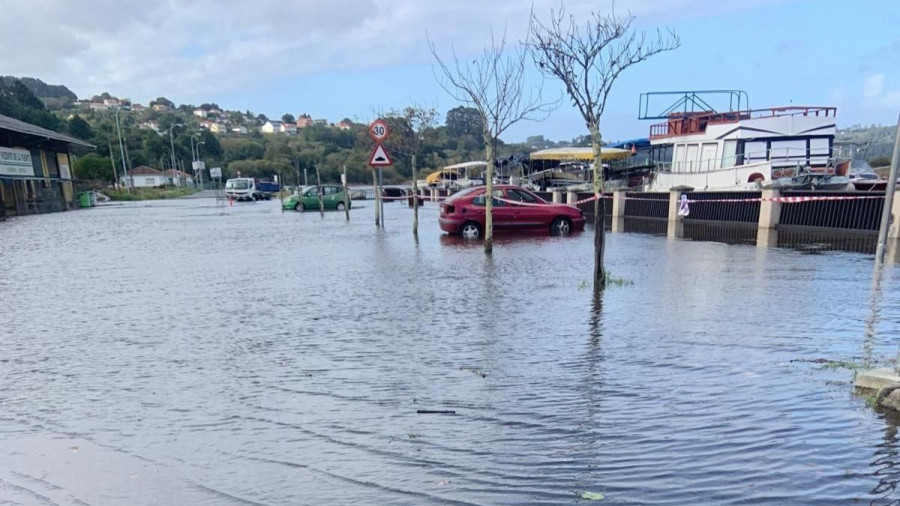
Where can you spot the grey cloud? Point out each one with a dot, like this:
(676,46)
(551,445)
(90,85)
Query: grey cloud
(189,49)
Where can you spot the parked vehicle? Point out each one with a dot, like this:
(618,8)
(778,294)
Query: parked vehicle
(308,198)
(241,188)
(267,189)
(393,192)
(463,213)
(867,181)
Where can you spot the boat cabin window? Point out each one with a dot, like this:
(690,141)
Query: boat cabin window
(661,153)
(729,153)
(692,158)
(756,151)
(819,151)
(709,156)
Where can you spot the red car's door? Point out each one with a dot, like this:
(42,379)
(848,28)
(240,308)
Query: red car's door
(532,213)
(502,212)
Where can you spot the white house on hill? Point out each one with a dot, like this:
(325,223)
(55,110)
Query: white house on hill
(143,177)
(271,127)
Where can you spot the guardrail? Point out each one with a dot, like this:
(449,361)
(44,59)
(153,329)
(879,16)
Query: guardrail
(742,210)
(851,213)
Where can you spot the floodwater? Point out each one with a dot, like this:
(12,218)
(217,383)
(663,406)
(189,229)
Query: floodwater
(184,352)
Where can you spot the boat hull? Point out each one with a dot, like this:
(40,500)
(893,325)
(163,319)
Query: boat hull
(740,177)
(870,186)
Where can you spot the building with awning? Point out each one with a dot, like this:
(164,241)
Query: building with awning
(35,169)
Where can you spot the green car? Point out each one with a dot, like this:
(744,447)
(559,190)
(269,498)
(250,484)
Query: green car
(308,198)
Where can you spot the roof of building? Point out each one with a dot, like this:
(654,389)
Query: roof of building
(143,170)
(7,123)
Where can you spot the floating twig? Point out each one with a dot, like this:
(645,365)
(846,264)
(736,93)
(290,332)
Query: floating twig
(473,371)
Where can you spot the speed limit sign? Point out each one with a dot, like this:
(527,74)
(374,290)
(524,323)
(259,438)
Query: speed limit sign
(378,131)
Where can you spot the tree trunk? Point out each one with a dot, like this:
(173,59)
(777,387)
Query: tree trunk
(377,198)
(488,193)
(415,197)
(346,195)
(599,210)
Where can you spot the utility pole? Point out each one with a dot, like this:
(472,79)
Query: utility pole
(172,142)
(113,160)
(122,151)
(200,180)
(888,200)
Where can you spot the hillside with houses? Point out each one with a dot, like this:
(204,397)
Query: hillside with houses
(164,136)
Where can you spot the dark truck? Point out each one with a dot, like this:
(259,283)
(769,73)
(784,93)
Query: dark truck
(265,190)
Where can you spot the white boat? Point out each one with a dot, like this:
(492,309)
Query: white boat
(458,176)
(741,149)
(568,167)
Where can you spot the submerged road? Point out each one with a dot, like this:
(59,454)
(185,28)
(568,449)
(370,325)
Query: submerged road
(189,352)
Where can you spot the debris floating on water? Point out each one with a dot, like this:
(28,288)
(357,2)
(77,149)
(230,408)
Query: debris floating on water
(472,370)
(435,412)
(593,496)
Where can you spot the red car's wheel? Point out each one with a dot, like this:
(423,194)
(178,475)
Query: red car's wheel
(470,230)
(561,226)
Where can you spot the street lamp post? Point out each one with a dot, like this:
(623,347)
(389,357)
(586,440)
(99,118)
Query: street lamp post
(122,151)
(200,180)
(172,142)
(194,155)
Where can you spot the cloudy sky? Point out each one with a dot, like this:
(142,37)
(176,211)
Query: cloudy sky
(351,58)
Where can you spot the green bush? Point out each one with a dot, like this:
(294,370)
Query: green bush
(149,193)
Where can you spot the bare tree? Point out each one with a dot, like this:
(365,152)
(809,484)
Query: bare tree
(494,84)
(588,58)
(411,127)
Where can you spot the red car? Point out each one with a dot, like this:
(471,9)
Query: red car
(463,212)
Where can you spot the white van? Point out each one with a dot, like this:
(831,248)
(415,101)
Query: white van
(241,188)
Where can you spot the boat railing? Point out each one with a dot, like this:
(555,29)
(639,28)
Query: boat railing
(780,157)
(695,123)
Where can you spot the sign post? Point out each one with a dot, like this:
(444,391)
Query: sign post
(379,132)
(215,174)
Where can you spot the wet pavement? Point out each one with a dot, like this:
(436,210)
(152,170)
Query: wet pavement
(188,352)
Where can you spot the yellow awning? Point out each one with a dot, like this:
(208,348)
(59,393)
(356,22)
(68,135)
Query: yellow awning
(579,154)
(436,176)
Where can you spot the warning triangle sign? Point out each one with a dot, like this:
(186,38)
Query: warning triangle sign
(380,157)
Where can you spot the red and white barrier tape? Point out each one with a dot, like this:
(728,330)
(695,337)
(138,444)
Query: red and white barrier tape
(784,200)
(794,200)
(551,204)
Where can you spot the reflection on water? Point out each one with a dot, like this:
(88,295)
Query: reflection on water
(811,241)
(188,353)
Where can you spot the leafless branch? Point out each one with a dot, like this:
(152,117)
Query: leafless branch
(494,83)
(412,127)
(588,57)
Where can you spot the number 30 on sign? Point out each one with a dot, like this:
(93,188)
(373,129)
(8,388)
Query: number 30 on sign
(378,130)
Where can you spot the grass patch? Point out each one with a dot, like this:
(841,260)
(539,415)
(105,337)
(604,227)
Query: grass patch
(617,281)
(871,399)
(833,365)
(842,364)
(610,281)
(149,193)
